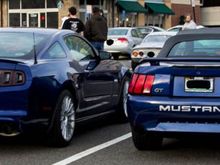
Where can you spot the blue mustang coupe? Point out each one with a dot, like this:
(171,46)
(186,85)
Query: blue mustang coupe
(56,78)
(178,92)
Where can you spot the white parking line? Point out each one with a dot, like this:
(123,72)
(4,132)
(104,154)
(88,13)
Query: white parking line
(93,150)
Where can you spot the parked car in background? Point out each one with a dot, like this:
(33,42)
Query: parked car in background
(56,79)
(150,46)
(178,28)
(177,93)
(124,39)
(145,30)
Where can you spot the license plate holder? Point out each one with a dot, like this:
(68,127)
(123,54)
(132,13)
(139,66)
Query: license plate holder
(199,84)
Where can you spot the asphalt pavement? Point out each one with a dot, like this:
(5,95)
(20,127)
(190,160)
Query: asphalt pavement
(32,150)
(106,142)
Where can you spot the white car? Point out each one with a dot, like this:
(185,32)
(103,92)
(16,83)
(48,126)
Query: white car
(124,39)
(179,28)
(150,46)
(145,30)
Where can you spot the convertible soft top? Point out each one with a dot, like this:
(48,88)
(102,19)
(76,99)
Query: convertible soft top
(189,35)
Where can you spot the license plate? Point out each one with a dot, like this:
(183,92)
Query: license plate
(199,84)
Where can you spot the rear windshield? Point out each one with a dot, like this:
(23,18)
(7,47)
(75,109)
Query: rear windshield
(156,38)
(196,48)
(118,32)
(19,44)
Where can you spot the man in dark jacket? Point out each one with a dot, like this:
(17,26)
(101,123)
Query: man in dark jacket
(73,23)
(96,29)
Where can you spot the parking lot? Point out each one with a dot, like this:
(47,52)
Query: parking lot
(106,142)
(30,149)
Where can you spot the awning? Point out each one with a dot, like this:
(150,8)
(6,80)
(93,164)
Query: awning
(132,6)
(159,8)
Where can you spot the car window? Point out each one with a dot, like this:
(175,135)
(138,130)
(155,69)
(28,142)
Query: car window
(145,30)
(55,51)
(21,45)
(140,35)
(197,48)
(175,29)
(156,38)
(117,32)
(79,49)
(134,33)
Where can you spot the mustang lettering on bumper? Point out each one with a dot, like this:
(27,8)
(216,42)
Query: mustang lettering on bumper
(173,108)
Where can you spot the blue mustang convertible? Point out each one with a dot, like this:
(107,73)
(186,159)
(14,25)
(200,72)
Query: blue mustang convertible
(178,92)
(56,78)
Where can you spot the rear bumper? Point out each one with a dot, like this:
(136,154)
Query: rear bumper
(124,49)
(174,115)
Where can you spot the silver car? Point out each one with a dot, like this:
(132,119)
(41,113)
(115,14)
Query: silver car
(150,46)
(145,30)
(124,39)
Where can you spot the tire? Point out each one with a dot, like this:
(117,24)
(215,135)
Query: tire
(115,56)
(146,141)
(122,114)
(63,123)
(133,65)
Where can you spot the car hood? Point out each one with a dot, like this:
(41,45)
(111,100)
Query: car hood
(149,45)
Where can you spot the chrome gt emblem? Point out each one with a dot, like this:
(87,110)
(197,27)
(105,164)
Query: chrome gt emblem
(158,90)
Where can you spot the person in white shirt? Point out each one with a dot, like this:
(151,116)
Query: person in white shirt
(189,23)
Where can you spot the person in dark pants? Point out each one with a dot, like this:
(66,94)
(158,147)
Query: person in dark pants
(96,29)
(73,23)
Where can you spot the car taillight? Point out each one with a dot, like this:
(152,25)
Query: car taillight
(123,39)
(141,84)
(11,78)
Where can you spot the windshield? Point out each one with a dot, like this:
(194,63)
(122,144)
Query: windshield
(118,32)
(145,30)
(156,38)
(19,44)
(196,48)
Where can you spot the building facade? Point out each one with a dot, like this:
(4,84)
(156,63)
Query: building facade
(183,7)
(49,13)
(210,13)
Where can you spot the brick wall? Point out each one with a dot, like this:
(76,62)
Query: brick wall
(182,10)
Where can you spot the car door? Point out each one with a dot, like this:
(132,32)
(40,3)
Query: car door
(95,82)
(136,37)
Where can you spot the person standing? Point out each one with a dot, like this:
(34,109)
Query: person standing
(73,23)
(189,23)
(96,29)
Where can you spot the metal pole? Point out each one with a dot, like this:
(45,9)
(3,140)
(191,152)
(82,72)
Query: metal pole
(193,3)
(194,14)
(113,13)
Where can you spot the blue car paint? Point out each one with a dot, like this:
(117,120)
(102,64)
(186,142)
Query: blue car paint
(143,110)
(34,101)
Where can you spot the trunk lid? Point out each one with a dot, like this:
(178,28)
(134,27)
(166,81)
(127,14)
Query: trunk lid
(184,79)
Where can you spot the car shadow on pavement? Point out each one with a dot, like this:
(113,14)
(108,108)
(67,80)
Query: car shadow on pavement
(205,142)
(37,137)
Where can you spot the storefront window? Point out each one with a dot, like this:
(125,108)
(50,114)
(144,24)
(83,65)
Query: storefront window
(82,2)
(51,4)
(24,20)
(14,4)
(42,20)
(33,13)
(33,4)
(52,21)
(14,19)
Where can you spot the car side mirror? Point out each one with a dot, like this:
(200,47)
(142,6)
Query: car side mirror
(104,55)
(109,42)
